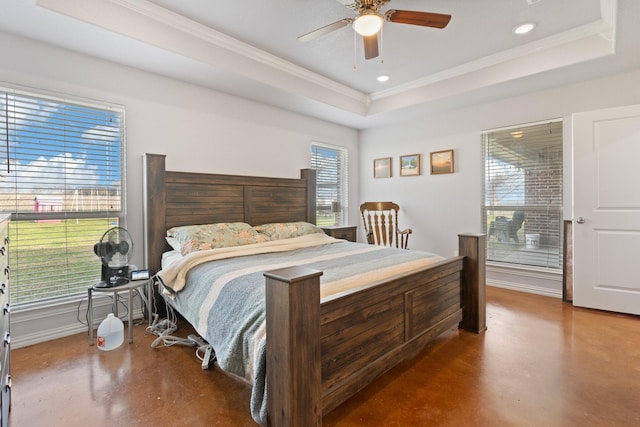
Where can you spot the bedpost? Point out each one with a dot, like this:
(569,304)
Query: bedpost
(310,176)
(473,248)
(154,203)
(294,379)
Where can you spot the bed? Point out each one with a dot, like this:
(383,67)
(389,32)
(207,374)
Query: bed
(320,350)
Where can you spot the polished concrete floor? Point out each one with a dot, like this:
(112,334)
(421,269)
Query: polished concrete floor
(542,362)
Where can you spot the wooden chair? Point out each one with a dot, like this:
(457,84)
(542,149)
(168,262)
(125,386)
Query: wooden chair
(381,225)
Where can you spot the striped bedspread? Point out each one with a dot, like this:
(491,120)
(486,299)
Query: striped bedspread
(221,292)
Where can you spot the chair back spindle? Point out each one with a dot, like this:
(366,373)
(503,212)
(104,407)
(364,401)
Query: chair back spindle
(381,224)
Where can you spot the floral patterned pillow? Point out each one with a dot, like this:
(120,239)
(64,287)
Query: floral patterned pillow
(211,236)
(287,230)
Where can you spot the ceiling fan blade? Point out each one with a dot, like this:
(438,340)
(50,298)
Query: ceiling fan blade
(325,30)
(370,46)
(425,19)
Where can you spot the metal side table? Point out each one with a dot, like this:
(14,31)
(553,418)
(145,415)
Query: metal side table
(130,287)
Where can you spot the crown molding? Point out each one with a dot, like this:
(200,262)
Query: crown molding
(156,26)
(152,24)
(216,38)
(600,28)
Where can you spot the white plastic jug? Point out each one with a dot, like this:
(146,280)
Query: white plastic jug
(110,333)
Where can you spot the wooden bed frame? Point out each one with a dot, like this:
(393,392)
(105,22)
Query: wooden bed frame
(319,353)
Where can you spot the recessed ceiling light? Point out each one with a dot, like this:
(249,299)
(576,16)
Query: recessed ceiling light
(524,28)
(383,78)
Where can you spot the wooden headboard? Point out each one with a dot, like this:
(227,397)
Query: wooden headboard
(183,198)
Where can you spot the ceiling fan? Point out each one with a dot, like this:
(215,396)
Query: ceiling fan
(369,20)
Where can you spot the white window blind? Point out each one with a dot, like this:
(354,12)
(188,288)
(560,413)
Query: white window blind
(62,178)
(522,186)
(331,165)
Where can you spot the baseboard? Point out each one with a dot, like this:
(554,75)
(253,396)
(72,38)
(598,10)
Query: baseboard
(38,337)
(34,325)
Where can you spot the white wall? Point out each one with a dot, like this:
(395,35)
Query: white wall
(437,207)
(198,129)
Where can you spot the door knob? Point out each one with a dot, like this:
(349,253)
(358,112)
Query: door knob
(580,220)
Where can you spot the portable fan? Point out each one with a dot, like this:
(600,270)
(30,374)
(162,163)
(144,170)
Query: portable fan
(115,249)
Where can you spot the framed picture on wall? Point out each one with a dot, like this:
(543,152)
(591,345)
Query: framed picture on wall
(410,165)
(441,162)
(382,168)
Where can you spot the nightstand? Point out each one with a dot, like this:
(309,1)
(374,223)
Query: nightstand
(346,232)
(129,288)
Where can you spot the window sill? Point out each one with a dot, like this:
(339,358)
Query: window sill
(524,267)
(523,278)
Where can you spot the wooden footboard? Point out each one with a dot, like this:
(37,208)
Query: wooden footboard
(325,352)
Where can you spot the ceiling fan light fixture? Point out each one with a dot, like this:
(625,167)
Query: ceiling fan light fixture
(368,23)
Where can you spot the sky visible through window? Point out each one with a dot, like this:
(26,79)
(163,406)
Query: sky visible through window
(49,147)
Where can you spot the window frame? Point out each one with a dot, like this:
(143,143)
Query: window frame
(539,241)
(111,214)
(334,214)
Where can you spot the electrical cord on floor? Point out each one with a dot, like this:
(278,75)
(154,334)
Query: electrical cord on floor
(163,328)
(207,357)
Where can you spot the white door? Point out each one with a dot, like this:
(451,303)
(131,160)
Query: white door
(606,150)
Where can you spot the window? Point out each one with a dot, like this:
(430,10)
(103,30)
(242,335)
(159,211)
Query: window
(330,164)
(522,210)
(62,179)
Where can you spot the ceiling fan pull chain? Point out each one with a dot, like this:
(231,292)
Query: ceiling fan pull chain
(355,48)
(382,45)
